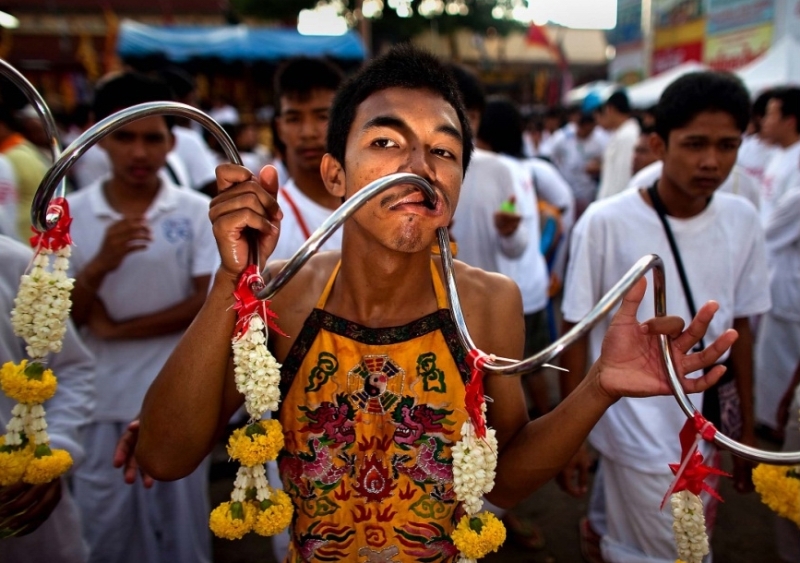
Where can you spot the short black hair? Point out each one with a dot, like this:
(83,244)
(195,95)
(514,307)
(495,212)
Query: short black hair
(586,118)
(298,77)
(760,104)
(403,66)
(181,82)
(619,101)
(470,87)
(502,126)
(121,91)
(696,92)
(789,97)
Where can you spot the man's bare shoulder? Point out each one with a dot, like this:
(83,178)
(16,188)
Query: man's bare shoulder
(492,307)
(295,301)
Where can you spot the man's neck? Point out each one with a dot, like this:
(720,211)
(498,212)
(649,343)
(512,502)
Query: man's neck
(678,204)
(617,121)
(130,199)
(381,288)
(790,140)
(312,186)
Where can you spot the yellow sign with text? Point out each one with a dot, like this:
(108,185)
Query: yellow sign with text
(733,50)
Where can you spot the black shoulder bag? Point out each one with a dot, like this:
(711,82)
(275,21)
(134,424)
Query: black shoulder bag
(721,404)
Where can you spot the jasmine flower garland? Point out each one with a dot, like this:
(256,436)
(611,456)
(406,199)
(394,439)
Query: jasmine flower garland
(254,505)
(474,465)
(41,310)
(689,526)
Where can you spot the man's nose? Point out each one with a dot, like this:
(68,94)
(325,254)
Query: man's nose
(419,164)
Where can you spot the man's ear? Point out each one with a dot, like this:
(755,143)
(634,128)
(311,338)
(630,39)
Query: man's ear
(657,145)
(333,175)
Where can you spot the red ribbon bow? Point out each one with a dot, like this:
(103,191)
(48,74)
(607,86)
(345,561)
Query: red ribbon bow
(247,304)
(691,472)
(474,397)
(58,236)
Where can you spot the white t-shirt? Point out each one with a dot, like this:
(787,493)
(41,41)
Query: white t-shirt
(754,154)
(198,159)
(146,282)
(783,256)
(618,159)
(781,175)
(529,271)
(723,254)
(304,213)
(9,197)
(489,182)
(571,155)
(739,182)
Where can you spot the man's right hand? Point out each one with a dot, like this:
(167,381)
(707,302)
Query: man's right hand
(127,235)
(506,223)
(574,477)
(245,209)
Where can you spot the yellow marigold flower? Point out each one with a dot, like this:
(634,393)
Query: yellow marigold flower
(273,515)
(232,520)
(27,384)
(47,465)
(779,488)
(475,536)
(13,464)
(257,443)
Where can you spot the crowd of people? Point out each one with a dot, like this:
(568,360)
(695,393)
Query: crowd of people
(546,216)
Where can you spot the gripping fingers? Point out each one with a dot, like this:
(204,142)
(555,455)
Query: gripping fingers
(709,355)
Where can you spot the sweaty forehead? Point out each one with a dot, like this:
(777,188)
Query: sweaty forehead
(409,105)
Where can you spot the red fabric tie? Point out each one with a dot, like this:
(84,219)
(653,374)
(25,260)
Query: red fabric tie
(474,397)
(247,304)
(691,472)
(58,236)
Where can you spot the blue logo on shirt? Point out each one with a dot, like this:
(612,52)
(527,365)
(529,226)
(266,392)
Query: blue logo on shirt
(177,229)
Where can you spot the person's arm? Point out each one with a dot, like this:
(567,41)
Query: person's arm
(742,364)
(194,395)
(128,235)
(630,365)
(167,321)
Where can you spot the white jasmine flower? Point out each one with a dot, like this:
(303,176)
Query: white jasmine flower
(256,372)
(689,526)
(474,464)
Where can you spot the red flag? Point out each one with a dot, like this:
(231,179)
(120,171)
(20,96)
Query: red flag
(537,36)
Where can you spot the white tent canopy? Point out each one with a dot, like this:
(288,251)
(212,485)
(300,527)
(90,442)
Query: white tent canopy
(780,66)
(647,92)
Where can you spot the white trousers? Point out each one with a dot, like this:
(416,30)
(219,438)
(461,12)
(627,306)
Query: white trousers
(57,540)
(123,523)
(777,353)
(637,531)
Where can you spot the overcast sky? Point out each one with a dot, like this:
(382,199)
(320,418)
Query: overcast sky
(595,14)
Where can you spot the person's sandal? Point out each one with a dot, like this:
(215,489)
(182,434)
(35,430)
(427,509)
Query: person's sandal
(590,542)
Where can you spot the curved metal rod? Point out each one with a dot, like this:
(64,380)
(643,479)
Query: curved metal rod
(102,128)
(603,308)
(348,208)
(41,107)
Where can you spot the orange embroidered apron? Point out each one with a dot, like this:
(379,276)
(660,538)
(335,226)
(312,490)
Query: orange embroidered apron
(370,415)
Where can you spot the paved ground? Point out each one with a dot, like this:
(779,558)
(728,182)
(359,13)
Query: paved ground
(744,531)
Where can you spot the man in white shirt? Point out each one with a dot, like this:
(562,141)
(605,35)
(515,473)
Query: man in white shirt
(8,199)
(578,154)
(700,119)
(615,116)
(777,350)
(143,258)
(485,225)
(756,151)
(781,126)
(52,506)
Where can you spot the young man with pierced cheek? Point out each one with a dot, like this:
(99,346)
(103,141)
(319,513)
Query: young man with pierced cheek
(379,308)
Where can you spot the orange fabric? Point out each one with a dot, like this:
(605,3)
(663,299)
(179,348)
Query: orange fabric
(370,418)
(11,141)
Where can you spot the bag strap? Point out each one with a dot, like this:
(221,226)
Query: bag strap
(652,191)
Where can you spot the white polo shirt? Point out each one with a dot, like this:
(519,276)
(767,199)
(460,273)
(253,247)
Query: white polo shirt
(146,282)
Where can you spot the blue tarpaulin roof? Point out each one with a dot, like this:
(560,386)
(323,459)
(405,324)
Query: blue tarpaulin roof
(232,43)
